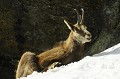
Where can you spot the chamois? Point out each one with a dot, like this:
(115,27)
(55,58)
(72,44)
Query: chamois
(70,50)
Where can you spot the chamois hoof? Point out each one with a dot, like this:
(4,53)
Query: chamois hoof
(55,64)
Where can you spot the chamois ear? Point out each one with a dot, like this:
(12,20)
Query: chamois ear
(70,26)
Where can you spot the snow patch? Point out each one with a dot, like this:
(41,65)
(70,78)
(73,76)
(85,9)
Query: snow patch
(105,65)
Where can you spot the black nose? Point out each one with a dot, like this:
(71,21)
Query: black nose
(89,35)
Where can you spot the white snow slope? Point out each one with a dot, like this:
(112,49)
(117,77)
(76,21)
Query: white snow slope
(105,65)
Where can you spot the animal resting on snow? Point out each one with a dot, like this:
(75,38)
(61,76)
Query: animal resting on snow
(70,50)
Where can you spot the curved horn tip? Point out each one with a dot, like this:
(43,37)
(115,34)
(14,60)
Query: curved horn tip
(82,9)
(75,9)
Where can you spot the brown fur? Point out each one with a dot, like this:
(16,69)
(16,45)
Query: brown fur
(27,64)
(68,51)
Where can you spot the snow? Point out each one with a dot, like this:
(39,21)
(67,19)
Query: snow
(105,65)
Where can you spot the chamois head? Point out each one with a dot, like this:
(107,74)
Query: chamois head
(79,30)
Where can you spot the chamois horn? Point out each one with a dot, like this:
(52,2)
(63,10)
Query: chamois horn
(80,18)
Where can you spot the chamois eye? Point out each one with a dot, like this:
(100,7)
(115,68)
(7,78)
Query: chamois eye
(78,30)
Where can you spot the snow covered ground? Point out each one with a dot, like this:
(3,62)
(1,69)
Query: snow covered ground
(105,65)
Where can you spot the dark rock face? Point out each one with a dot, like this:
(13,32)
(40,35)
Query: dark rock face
(110,33)
(35,25)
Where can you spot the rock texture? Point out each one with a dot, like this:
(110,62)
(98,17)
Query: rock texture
(35,25)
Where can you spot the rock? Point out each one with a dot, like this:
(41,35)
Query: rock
(110,32)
